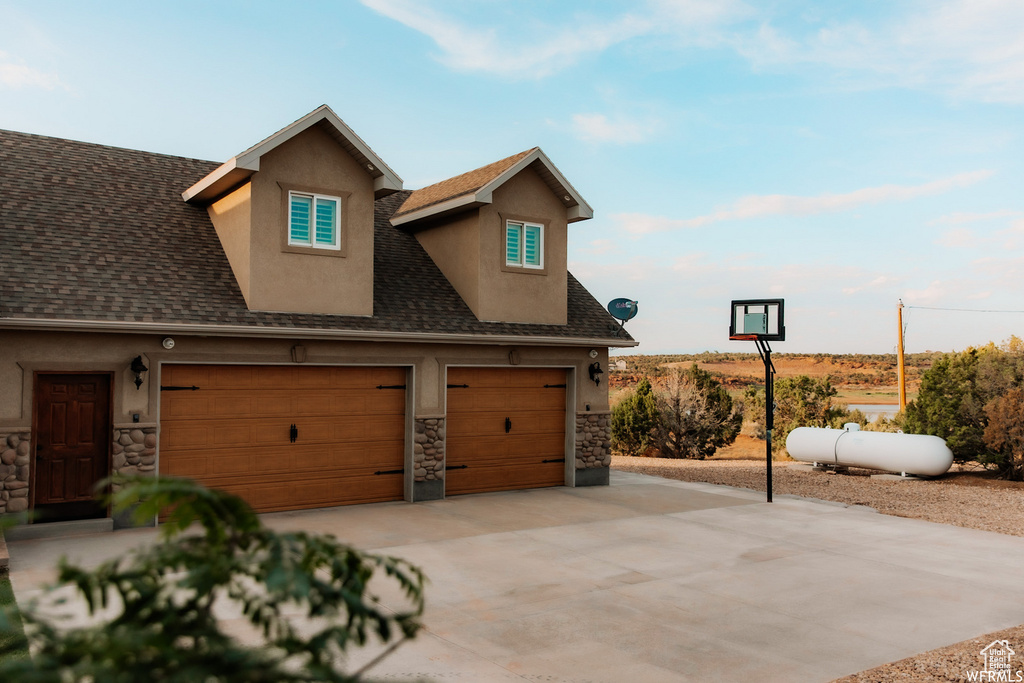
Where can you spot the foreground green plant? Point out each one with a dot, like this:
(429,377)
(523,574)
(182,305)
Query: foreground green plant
(305,596)
(12,634)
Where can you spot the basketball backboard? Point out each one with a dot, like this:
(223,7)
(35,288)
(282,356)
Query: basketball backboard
(754,319)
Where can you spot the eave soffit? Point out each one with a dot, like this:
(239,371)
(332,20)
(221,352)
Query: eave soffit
(237,170)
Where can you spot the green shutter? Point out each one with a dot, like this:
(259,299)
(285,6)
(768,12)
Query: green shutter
(326,221)
(531,245)
(513,244)
(299,217)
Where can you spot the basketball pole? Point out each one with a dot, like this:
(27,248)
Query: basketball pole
(900,364)
(765,352)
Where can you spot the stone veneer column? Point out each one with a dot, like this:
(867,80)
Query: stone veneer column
(14,453)
(134,450)
(593,448)
(428,458)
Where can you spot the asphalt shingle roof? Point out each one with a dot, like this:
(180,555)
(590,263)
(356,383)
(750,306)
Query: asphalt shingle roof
(458,186)
(95,233)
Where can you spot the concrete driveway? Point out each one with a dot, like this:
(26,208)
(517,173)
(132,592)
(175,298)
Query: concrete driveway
(654,580)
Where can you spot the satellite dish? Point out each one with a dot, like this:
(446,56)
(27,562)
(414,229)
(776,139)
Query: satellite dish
(623,309)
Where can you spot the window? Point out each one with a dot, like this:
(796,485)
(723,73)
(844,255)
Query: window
(313,221)
(524,244)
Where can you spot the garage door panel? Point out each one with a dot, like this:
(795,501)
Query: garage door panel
(505,478)
(485,457)
(306,494)
(233,432)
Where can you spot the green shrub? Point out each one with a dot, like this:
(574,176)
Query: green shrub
(166,629)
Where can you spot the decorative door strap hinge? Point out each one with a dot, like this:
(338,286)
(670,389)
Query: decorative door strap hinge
(390,472)
(192,388)
(391,386)
(456,467)
(458,386)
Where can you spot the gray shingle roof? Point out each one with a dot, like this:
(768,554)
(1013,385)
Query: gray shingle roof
(95,233)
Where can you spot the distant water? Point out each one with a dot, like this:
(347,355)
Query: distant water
(874,410)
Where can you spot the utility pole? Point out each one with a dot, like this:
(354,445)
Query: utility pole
(901,368)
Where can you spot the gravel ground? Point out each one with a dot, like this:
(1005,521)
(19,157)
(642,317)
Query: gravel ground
(963,498)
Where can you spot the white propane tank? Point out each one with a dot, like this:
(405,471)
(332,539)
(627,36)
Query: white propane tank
(919,454)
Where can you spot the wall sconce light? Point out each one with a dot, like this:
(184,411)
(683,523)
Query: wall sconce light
(595,373)
(139,368)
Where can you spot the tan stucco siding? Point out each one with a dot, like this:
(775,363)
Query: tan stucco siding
(455,249)
(29,352)
(231,218)
(522,294)
(314,280)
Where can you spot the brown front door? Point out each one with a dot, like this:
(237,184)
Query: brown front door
(73,434)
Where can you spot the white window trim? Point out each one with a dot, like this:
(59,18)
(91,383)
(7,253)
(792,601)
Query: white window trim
(312,244)
(522,245)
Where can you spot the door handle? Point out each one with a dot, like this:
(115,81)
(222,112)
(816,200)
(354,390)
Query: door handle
(508,425)
(293,433)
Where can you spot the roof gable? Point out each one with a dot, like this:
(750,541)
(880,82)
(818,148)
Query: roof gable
(237,170)
(477,187)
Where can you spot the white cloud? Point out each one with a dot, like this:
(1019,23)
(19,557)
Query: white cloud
(16,75)
(536,53)
(755,206)
(875,283)
(959,238)
(963,217)
(966,48)
(598,128)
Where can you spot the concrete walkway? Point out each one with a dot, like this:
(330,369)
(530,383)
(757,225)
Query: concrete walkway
(654,580)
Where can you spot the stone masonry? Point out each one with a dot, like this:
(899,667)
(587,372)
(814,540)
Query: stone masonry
(14,452)
(593,440)
(428,449)
(134,450)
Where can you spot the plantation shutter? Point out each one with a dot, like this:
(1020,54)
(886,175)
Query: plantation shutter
(513,244)
(326,221)
(531,245)
(299,219)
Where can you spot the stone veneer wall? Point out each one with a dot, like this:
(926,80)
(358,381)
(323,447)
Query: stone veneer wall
(593,440)
(428,449)
(14,453)
(134,450)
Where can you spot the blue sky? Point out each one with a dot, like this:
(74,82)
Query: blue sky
(840,155)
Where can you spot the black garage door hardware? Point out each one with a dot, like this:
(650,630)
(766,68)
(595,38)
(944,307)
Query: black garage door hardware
(458,386)
(391,386)
(554,460)
(192,388)
(554,386)
(456,467)
(390,472)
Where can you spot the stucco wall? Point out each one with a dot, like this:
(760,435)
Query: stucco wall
(455,247)
(135,412)
(28,352)
(523,294)
(311,280)
(230,217)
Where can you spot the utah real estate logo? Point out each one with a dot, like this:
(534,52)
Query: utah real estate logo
(998,657)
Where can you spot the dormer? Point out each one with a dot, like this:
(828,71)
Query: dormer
(500,236)
(295,216)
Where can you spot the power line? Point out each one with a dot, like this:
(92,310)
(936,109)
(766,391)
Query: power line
(964,310)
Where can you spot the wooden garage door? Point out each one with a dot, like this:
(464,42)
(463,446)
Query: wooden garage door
(234,432)
(505,429)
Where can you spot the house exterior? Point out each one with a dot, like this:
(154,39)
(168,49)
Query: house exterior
(292,325)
